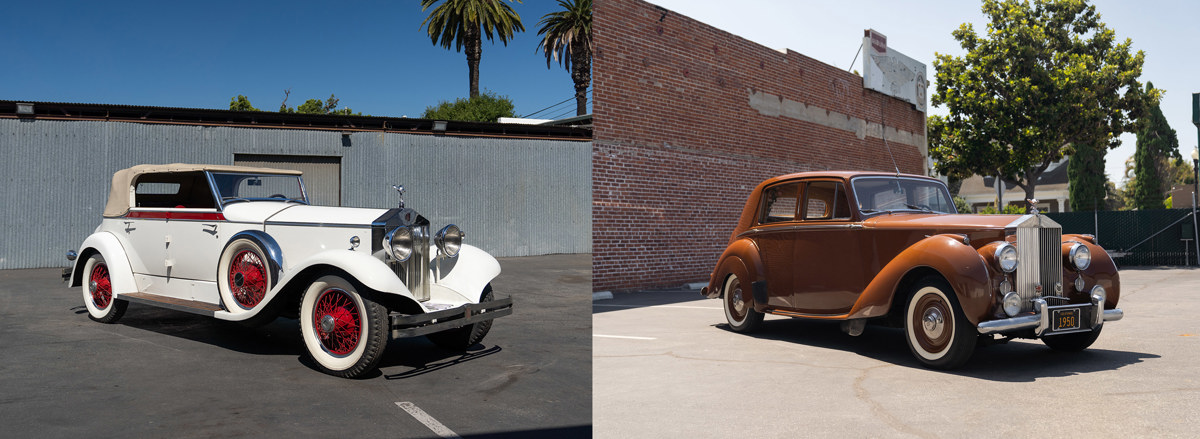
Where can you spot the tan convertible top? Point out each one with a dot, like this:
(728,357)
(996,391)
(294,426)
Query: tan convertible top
(118,195)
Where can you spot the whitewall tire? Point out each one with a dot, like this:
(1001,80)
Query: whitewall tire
(344,330)
(937,332)
(98,296)
(739,306)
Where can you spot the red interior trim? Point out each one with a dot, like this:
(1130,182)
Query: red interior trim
(203,216)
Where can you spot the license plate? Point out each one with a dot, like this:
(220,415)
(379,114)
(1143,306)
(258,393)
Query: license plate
(1064,319)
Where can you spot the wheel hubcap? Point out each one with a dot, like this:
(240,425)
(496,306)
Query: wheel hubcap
(327,323)
(934,322)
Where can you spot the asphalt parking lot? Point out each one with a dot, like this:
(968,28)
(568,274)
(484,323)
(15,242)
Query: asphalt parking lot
(162,373)
(666,366)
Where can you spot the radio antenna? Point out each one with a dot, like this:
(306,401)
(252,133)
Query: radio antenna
(883,135)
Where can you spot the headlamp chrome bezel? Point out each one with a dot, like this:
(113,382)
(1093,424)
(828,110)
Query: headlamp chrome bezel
(1003,249)
(1079,251)
(449,240)
(399,243)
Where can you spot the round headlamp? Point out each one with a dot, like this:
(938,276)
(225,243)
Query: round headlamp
(399,243)
(449,240)
(1012,303)
(1006,257)
(1080,256)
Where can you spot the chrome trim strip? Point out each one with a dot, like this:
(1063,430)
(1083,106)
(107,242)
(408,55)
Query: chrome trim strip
(801,227)
(304,224)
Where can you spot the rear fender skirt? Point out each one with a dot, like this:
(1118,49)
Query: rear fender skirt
(119,271)
(960,264)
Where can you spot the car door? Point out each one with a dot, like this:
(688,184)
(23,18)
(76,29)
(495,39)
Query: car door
(773,235)
(827,255)
(145,226)
(197,231)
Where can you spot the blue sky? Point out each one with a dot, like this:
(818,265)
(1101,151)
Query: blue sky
(372,54)
(831,32)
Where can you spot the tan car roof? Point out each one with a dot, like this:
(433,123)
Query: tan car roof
(118,194)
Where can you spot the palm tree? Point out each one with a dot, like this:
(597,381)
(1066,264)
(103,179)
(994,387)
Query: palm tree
(567,38)
(465,22)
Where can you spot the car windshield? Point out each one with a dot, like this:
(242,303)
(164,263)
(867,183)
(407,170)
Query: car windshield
(247,187)
(889,194)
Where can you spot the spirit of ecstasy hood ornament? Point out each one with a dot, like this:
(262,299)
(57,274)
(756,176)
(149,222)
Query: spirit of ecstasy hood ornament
(1032,205)
(400,188)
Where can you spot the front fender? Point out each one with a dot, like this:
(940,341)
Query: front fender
(960,264)
(366,269)
(1102,271)
(120,273)
(467,274)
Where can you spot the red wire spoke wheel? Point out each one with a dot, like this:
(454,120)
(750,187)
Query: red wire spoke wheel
(247,278)
(98,298)
(336,321)
(344,329)
(100,285)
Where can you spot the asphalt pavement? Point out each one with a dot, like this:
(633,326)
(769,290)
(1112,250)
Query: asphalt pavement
(163,373)
(667,366)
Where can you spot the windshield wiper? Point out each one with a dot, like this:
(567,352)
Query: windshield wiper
(919,207)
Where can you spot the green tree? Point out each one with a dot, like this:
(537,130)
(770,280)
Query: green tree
(486,107)
(464,23)
(1156,143)
(567,38)
(1086,180)
(1046,79)
(241,103)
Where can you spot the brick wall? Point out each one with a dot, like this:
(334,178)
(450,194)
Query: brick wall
(689,118)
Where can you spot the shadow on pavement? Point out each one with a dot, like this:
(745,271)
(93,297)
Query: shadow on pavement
(1016,361)
(648,298)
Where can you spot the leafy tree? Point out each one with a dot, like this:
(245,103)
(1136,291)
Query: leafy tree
(241,103)
(1045,80)
(962,205)
(486,107)
(1156,143)
(465,23)
(567,38)
(1087,182)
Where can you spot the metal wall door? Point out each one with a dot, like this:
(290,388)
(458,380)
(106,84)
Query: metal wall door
(322,174)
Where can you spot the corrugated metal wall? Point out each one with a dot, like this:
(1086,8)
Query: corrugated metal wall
(513,197)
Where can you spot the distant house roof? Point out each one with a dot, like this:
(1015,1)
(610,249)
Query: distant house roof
(1054,176)
(274,120)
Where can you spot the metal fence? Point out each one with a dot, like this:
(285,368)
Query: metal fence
(513,196)
(1146,237)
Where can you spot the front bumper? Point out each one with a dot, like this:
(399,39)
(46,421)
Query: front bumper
(412,325)
(1039,321)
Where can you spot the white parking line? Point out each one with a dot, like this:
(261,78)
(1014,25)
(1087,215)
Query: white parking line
(624,336)
(658,306)
(433,424)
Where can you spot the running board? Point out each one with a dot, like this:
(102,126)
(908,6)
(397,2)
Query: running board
(189,306)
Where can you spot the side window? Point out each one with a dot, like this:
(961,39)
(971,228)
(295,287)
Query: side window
(779,203)
(182,189)
(826,200)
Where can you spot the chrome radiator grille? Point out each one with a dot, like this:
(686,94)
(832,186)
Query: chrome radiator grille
(416,267)
(1039,250)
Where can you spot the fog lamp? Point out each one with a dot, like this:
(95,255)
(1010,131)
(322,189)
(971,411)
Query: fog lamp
(1099,295)
(1012,303)
(1079,283)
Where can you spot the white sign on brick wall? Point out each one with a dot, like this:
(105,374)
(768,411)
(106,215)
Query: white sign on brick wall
(892,73)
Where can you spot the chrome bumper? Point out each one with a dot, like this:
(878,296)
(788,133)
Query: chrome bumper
(404,325)
(1039,322)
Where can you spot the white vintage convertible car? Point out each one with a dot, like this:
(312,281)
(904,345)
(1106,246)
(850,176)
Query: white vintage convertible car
(243,244)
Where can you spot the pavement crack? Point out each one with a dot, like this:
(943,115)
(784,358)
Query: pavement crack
(880,412)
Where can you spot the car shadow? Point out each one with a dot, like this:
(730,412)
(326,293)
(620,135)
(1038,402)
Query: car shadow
(1016,361)
(282,337)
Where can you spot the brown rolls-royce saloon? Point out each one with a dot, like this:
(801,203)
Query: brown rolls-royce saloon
(857,247)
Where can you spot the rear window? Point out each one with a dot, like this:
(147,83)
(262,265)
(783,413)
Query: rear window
(779,203)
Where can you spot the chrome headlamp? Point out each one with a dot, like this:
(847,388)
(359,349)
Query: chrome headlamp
(449,240)
(399,243)
(1080,256)
(1006,257)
